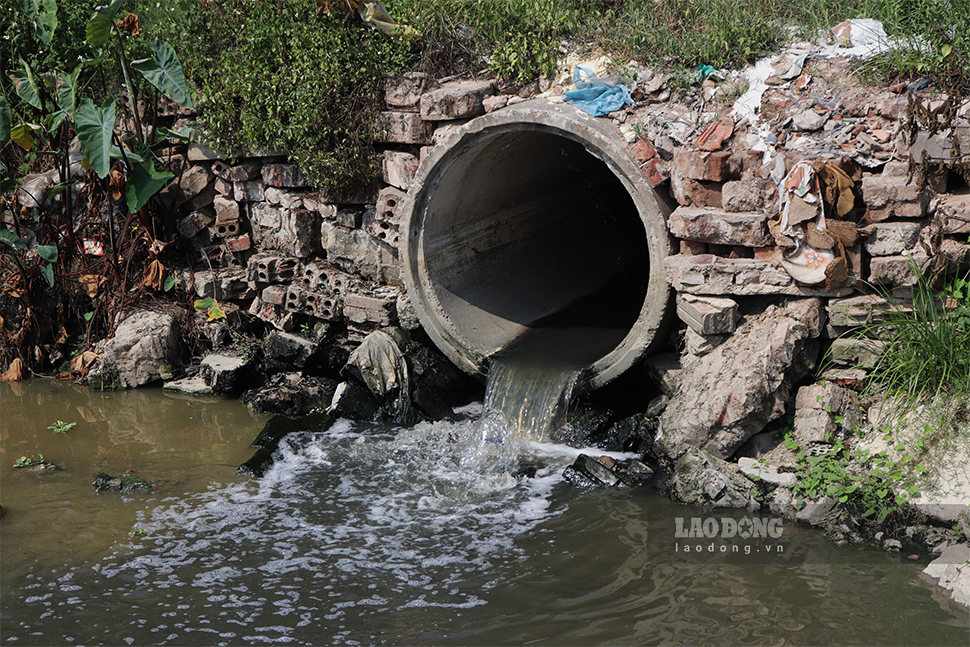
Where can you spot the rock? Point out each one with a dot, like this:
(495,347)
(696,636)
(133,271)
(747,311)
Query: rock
(283,175)
(357,252)
(379,364)
(893,197)
(855,352)
(815,511)
(740,196)
(702,479)
(224,373)
(810,312)
(122,483)
(951,572)
(709,274)
(407,316)
(665,370)
(719,227)
(587,471)
(898,271)
(193,385)
(891,238)
(354,401)
(403,128)
(808,120)
(707,315)
(710,167)
(194,223)
(493,103)
(144,349)
(398,169)
(761,472)
(730,394)
(699,345)
(242,172)
(275,429)
(459,100)
(404,92)
(286,352)
(291,394)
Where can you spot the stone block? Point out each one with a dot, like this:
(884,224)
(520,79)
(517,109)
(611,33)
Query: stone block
(202,153)
(361,309)
(710,167)
(350,217)
(403,128)
(404,92)
(224,187)
(711,226)
(707,315)
(398,169)
(956,209)
(275,294)
(357,252)
(764,473)
(893,197)
(740,197)
(459,100)
(898,271)
(251,191)
(692,247)
(193,223)
(699,345)
(226,283)
(299,233)
(856,352)
(814,511)
(955,251)
(496,102)
(711,275)
(266,215)
(223,373)
(810,312)
(226,210)
(821,397)
(285,198)
(194,181)
(857,311)
(689,192)
(891,238)
(814,426)
(239,243)
(283,175)
(286,352)
(204,198)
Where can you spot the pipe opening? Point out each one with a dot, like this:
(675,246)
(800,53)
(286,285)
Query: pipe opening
(523,230)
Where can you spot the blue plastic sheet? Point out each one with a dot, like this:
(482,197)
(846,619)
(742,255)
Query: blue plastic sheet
(596,96)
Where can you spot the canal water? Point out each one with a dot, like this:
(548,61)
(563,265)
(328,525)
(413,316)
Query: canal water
(451,533)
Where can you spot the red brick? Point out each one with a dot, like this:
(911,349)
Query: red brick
(710,167)
(643,150)
(692,247)
(239,243)
(655,171)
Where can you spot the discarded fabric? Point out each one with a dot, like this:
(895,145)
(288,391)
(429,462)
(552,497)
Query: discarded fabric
(595,96)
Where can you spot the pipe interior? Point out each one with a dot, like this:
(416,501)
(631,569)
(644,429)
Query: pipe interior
(526,231)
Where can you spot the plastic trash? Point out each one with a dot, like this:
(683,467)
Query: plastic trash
(596,96)
(373,13)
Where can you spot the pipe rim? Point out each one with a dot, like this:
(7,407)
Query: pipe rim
(600,140)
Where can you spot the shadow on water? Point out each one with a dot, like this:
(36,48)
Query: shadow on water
(366,534)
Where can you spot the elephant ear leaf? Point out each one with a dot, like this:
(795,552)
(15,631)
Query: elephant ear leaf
(45,23)
(5,119)
(26,85)
(94,128)
(164,71)
(66,93)
(98,30)
(144,181)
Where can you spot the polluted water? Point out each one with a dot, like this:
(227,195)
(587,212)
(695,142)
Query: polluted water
(454,532)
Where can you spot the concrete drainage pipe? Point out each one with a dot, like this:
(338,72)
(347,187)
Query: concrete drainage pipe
(536,218)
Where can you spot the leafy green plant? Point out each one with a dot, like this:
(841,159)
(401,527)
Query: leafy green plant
(873,486)
(136,532)
(25,461)
(61,427)
(211,308)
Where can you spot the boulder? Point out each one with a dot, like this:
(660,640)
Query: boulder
(730,394)
(144,349)
(951,572)
(291,394)
(703,479)
(122,483)
(283,351)
(224,373)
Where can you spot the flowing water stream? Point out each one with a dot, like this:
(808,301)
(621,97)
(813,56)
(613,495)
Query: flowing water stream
(367,534)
